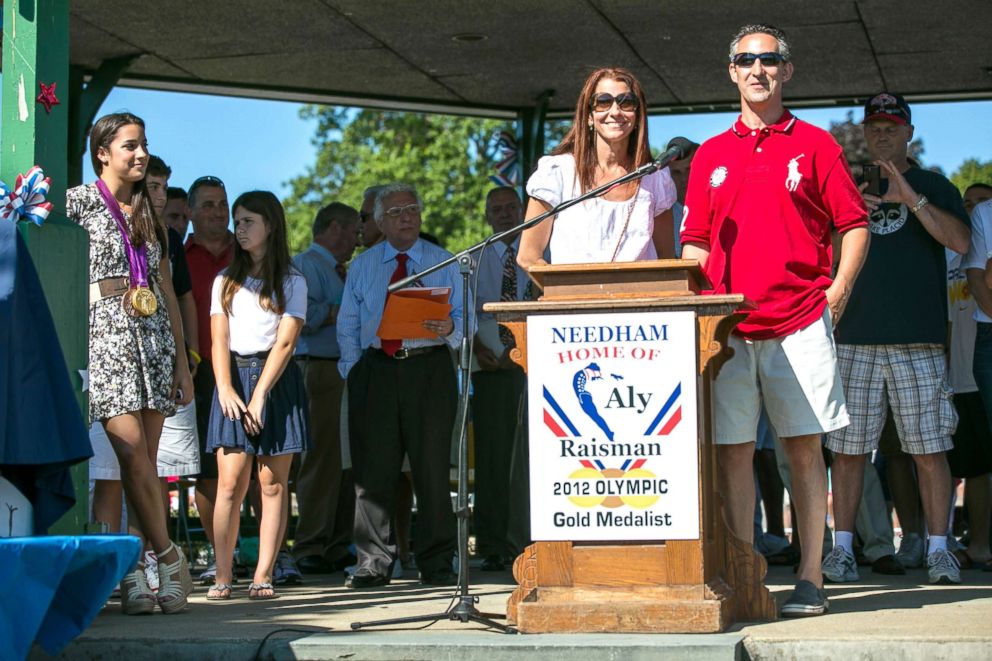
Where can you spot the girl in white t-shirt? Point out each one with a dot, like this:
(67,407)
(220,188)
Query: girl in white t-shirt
(259,409)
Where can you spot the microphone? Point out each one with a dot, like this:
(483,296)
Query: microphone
(677,148)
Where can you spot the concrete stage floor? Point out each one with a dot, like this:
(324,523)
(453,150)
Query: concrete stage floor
(881,617)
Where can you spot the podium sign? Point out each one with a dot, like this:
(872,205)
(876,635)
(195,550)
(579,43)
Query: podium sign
(613,420)
(628,531)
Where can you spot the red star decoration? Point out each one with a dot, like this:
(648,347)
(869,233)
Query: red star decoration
(47,97)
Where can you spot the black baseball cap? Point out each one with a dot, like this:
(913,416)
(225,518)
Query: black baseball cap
(891,107)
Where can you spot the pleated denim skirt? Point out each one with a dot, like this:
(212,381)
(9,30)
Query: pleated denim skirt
(286,427)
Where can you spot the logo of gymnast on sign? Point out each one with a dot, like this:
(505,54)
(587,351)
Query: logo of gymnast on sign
(630,481)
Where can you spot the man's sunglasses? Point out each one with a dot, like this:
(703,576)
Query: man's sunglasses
(603,102)
(747,60)
(886,109)
(206,181)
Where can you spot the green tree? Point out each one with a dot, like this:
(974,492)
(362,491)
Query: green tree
(972,171)
(447,158)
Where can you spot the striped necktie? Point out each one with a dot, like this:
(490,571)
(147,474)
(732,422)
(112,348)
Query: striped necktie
(508,292)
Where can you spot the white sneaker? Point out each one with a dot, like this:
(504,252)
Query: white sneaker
(910,554)
(840,566)
(943,568)
(151,570)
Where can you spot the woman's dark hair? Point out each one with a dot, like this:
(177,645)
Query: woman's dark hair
(580,142)
(145,227)
(275,266)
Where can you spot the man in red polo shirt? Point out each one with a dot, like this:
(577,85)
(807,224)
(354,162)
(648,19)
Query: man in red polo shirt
(208,250)
(763,200)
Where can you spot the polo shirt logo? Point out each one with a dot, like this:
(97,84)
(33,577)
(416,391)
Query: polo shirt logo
(795,176)
(718,176)
(888,218)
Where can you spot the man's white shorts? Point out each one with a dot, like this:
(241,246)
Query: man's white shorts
(796,378)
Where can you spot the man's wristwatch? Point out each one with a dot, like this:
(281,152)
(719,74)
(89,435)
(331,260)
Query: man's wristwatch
(920,203)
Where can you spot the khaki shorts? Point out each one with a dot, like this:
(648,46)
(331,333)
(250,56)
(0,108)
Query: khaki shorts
(909,378)
(795,377)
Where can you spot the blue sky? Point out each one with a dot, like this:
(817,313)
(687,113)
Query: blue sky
(262,144)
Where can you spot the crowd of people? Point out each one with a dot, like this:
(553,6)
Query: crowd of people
(223,358)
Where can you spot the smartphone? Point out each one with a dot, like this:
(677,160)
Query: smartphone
(873,176)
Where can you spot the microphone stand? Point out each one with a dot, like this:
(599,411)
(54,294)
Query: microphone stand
(463,608)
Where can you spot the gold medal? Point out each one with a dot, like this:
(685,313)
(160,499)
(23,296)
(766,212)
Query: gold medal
(142,300)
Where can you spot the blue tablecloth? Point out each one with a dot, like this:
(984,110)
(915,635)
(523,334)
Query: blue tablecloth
(53,587)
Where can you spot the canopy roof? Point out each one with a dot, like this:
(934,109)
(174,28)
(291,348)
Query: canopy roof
(495,57)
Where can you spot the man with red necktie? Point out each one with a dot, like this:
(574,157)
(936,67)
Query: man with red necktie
(401,397)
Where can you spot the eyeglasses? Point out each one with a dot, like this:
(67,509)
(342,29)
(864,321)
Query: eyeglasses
(746,60)
(603,102)
(396,212)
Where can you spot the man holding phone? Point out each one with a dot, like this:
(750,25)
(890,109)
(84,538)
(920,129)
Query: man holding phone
(892,337)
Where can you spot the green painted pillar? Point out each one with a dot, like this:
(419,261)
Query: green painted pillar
(36,50)
(530,134)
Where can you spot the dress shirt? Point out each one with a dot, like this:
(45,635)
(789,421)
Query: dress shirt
(490,288)
(365,295)
(324,289)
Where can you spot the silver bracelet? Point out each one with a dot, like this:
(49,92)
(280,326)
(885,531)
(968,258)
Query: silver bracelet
(922,202)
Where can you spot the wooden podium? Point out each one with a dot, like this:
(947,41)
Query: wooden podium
(689,586)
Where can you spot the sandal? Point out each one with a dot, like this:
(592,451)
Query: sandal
(175,583)
(255,588)
(219,592)
(136,597)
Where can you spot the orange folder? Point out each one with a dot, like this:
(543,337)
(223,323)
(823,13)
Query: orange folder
(407,309)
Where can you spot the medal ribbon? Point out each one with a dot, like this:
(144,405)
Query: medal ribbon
(137,258)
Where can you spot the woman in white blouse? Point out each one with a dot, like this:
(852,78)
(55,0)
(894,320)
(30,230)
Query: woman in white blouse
(608,139)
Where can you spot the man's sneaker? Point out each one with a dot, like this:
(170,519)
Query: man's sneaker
(806,600)
(285,572)
(151,570)
(839,566)
(943,568)
(209,575)
(911,553)
(888,564)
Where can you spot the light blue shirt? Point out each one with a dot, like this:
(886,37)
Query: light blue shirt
(491,276)
(365,295)
(324,288)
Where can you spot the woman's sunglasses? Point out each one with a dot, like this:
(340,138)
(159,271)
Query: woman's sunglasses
(746,60)
(603,102)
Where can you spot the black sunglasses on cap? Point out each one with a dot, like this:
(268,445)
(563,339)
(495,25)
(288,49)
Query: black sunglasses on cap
(206,181)
(603,102)
(747,60)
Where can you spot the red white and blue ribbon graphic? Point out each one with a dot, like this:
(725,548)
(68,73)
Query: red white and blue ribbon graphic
(507,172)
(555,418)
(28,200)
(671,413)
